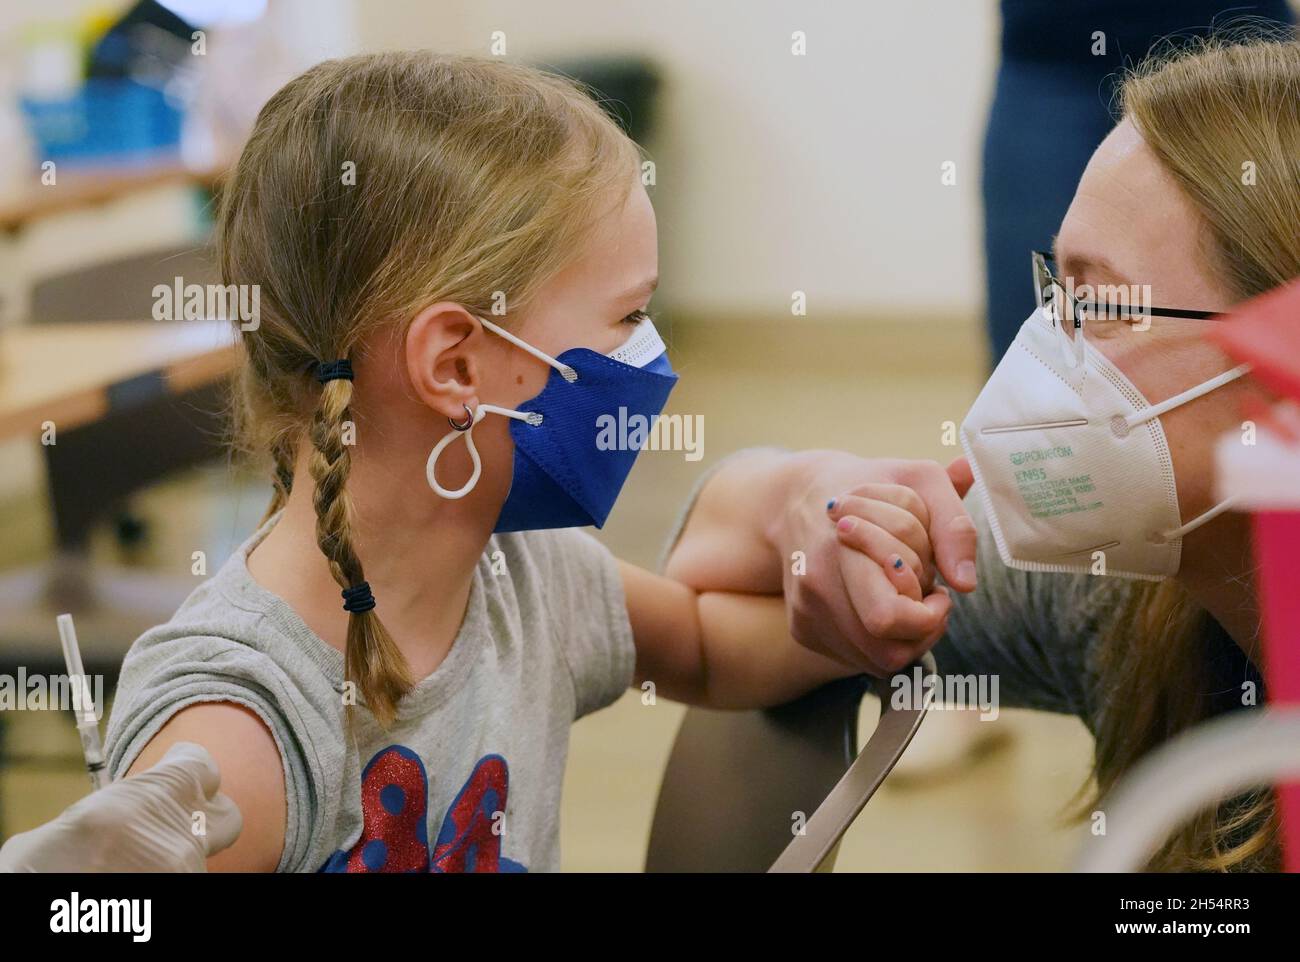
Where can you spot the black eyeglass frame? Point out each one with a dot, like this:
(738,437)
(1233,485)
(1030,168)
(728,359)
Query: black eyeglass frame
(1039,260)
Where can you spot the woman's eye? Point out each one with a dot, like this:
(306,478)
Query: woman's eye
(636,317)
(1110,320)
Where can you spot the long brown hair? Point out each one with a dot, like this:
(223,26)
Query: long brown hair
(1207,111)
(374,186)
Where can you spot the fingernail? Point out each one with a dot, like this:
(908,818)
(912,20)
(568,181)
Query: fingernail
(895,562)
(966,572)
(844,524)
(830,505)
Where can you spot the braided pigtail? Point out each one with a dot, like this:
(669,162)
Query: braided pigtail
(372,660)
(282,463)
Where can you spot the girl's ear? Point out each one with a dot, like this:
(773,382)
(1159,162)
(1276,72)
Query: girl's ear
(442,348)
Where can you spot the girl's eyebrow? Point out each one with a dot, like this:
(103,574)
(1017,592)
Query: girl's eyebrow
(640,291)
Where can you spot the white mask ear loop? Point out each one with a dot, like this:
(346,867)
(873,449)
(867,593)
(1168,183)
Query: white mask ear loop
(1191,394)
(1199,520)
(1122,426)
(466,428)
(566,372)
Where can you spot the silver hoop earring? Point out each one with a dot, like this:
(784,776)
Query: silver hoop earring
(469,420)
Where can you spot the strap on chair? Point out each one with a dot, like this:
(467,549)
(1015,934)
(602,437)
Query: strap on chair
(816,847)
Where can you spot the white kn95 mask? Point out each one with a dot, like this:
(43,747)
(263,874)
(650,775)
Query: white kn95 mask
(1072,462)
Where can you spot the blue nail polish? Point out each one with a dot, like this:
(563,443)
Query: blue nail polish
(898,564)
(830,505)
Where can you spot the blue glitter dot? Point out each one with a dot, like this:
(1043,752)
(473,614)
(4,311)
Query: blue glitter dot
(393,799)
(374,855)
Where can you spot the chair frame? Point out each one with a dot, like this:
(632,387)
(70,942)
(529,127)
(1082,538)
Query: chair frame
(738,783)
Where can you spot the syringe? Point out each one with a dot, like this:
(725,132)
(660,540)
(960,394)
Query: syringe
(83,705)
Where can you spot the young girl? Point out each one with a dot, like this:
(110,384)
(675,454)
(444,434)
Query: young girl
(455,259)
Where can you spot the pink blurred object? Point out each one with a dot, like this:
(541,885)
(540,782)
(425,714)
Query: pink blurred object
(1266,332)
(1264,477)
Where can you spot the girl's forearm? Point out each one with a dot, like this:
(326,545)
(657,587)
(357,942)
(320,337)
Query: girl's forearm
(717,648)
(730,538)
(750,660)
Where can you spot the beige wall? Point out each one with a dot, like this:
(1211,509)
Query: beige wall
(776,173)
(779,173)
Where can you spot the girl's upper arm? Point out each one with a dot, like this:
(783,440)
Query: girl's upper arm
(252,775)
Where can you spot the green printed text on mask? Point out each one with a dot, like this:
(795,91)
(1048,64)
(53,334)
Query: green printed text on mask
(1046,496)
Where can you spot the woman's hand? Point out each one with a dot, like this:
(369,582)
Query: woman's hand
(861,540)
(762,526)
(757,602)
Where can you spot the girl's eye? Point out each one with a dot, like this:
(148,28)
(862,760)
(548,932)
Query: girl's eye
(636,317)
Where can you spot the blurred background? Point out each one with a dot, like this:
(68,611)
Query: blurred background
(832,182)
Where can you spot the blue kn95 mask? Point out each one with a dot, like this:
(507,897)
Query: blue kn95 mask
(575,443)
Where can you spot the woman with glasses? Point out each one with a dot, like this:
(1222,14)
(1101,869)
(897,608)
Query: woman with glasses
(1112,582)
(1058,64)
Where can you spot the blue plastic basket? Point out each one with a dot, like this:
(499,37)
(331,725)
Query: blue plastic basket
(107,121)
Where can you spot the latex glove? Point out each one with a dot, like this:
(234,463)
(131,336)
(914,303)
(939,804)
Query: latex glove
(145,823)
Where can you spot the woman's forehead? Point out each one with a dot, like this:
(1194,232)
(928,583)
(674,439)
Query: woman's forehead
(1128,212)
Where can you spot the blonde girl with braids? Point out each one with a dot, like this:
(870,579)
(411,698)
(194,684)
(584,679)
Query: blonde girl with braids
(431,453)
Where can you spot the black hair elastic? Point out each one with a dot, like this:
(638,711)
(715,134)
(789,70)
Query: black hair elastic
(358,598)
(334,371)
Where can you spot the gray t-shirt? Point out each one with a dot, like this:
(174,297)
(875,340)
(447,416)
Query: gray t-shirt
(1037,631)
(469,776)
